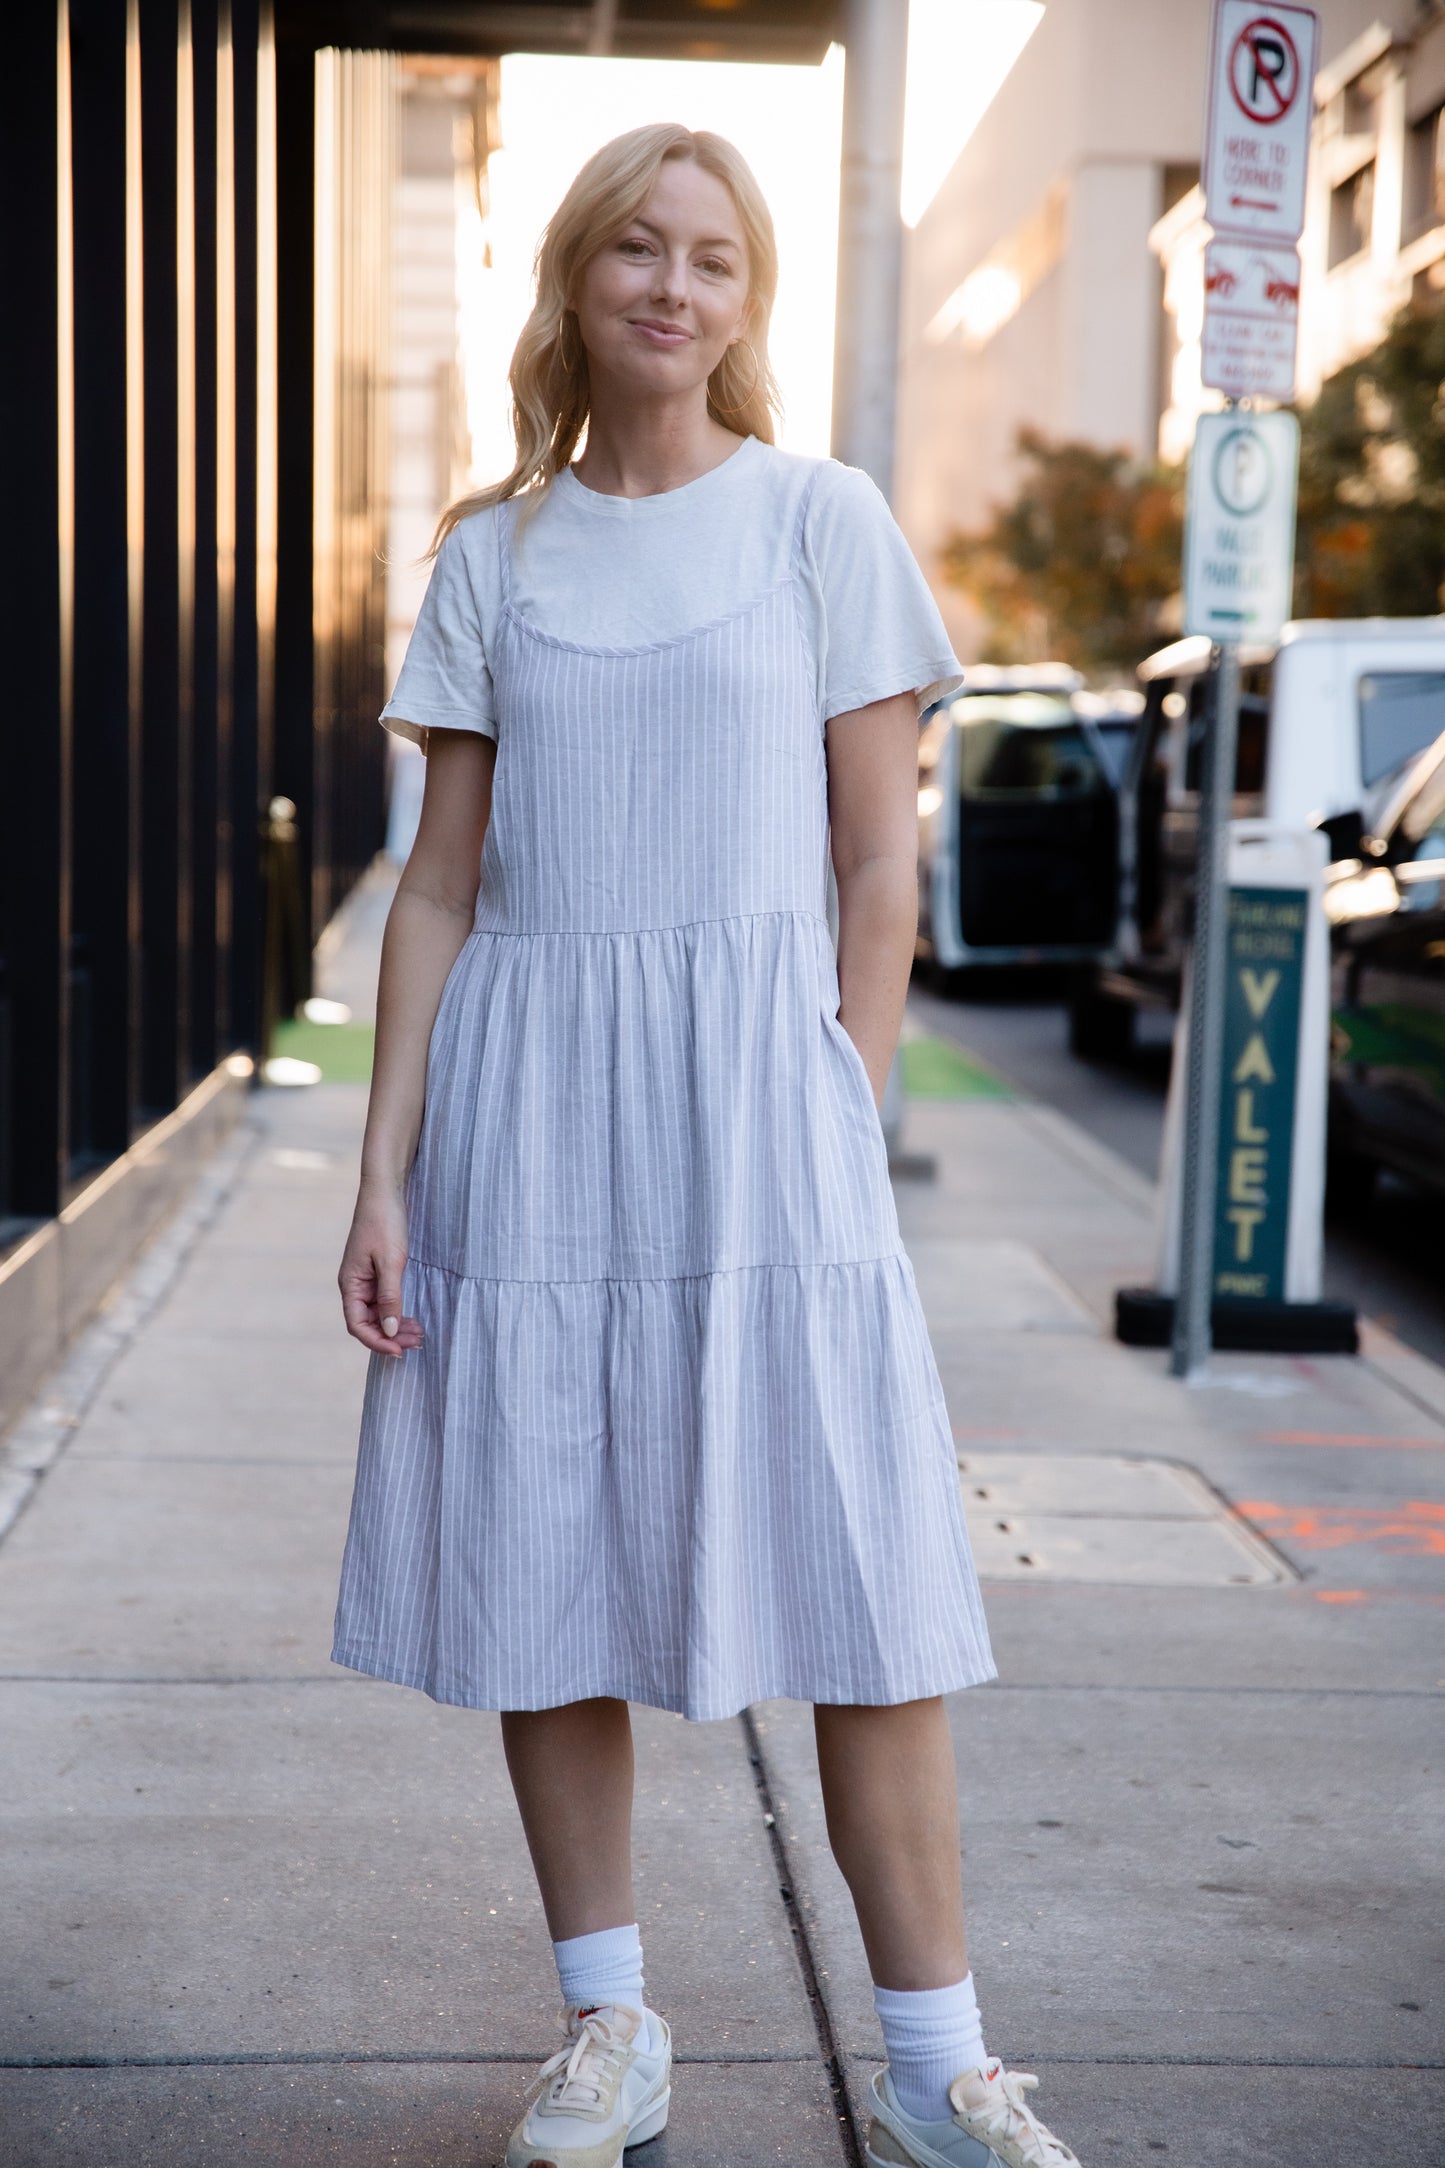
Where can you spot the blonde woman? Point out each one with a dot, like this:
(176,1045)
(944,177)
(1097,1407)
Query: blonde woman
(652,1414)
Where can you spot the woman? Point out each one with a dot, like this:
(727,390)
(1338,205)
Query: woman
(652,1413)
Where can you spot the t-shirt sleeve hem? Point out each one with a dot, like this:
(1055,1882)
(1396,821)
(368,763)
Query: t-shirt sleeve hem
(414,721)
(927,681)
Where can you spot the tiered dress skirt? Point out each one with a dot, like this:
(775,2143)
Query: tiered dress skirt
(676,1433)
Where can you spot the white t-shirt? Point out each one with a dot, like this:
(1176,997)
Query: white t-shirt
(623,572)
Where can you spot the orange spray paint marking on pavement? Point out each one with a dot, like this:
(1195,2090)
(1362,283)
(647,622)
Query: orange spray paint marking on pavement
(1413,1530)
(1340,1595)
(1346,1437)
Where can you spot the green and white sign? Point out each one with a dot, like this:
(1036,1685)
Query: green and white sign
(1239,528)
(1264,992)
(1267,1191)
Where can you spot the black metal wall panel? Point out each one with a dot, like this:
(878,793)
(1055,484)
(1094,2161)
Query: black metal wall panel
(177,614)
(106,739)
(35,452)
(208,816)
(165,638)
(295,338)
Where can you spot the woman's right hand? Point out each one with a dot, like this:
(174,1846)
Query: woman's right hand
(370,1276)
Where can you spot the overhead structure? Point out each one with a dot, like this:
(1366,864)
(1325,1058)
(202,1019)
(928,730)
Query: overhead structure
(799,31)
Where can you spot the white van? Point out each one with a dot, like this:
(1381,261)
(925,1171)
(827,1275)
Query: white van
(1327,722)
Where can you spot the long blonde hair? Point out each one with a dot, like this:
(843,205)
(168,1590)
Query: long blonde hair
(550,392)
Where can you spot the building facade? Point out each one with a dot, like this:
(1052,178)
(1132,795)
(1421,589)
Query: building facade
(1032,295)
(1374,236)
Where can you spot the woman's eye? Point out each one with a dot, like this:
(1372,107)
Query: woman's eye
(633,248)
(716,266)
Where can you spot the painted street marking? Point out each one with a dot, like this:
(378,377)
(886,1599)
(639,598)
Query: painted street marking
(1413,1530)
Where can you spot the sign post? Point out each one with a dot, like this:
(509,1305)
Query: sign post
(1239,545)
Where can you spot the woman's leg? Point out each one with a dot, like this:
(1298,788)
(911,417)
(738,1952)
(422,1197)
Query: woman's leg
(890,1793)
(571,1770)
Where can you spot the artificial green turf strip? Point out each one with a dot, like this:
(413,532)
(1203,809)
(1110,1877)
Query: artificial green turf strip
(933,1069)
(342,1052)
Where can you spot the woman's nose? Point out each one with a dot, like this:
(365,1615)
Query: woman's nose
(670,283)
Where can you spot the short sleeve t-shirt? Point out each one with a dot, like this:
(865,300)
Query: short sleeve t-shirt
(626,572)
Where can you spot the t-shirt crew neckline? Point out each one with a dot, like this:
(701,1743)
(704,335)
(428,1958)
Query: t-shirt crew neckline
(578,495)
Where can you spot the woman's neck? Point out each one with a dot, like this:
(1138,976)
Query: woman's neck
(642,450)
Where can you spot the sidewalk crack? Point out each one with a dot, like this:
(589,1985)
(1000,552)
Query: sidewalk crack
(828,2047)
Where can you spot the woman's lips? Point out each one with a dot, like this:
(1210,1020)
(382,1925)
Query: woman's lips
(660,334)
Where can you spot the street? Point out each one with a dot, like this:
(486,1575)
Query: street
(1388,1261)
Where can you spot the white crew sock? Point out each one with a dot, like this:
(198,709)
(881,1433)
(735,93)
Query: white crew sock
(931,2034)
(605,1967)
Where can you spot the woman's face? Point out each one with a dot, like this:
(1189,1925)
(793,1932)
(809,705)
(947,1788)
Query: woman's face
(659,305)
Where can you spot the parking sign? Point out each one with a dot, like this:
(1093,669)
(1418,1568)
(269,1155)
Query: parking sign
(1257,133)
(1239,531)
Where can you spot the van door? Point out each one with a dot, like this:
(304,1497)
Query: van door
(1038,827)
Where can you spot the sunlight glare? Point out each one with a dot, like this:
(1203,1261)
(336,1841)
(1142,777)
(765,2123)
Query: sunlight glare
(786,121)
(959,52)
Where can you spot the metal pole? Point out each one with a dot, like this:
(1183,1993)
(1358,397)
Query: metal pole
(870,280)
(870,237)
(1189,1351)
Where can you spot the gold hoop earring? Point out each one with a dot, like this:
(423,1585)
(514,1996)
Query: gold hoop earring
(568,361)
(719,408)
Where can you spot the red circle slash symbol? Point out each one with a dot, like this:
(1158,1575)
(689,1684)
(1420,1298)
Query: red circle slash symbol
(1264,71)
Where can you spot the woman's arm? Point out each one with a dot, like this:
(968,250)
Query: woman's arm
(426,929)
(873,808)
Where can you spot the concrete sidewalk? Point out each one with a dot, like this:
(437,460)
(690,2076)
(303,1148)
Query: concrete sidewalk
(258,1911)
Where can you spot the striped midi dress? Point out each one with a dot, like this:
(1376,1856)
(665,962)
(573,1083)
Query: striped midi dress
(676,1433)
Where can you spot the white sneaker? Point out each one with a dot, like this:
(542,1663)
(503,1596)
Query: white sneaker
(607,2089)
(992,2126)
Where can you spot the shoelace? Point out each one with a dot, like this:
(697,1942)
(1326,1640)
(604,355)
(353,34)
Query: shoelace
(586,2069)
(1014,2118)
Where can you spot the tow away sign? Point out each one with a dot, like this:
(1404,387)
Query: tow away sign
(1251,317)
(1239,529)
(1257,135)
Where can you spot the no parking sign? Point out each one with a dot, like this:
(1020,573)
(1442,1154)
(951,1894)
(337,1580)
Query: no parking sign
(1257,135)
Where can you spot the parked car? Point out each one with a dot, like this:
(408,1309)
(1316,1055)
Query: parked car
(1327,722)
(1387,1041)
(1018,822)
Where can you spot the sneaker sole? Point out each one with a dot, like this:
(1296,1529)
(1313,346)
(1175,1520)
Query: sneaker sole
(653,2123)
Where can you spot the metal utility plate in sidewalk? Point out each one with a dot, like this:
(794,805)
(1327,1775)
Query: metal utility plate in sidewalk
(1107,1517)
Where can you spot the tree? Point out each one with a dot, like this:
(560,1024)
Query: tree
(1371,534)
(1077,565)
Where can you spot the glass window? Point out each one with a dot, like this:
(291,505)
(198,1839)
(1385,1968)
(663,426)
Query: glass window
(1115,737)
(1352,214)
(1401,712)
(1255,681)
(1425,173)
(1027,747)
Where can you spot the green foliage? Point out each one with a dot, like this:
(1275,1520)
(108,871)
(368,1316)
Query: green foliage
(1078,564)
(1372,480)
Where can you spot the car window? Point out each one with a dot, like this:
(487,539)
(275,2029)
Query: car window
(1115,738)
(1055,762)
(1255,684)
(1401,712)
